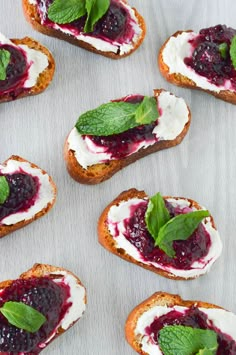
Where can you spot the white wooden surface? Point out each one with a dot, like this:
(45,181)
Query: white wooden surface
(203,167)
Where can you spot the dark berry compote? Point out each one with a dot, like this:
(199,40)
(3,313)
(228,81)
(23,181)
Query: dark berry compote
(44,295)
(23,193)
(16,72)
(114,26)
(187,251)
(195,318)
(209,59)
(121,145)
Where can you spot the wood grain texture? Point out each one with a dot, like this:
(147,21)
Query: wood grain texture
(202,167)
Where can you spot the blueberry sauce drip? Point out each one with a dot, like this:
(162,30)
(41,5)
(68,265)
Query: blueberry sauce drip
(195,318)
(123,144)
(113,26)
(206,58)
(23,191)
(187,251)
(16,72)
(45,296)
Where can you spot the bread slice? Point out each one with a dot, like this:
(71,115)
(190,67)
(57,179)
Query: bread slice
(97,173)
(32,16)
(45,196)
(44,78)
(158,299)
(77,296)
(130,253)
(179,79)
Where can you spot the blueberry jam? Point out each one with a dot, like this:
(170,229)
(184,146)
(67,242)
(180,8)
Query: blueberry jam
(195,318)
(187,251)
(45,296)
(16,73)
(115,25)
(207,59)
(123,144)
(23,191)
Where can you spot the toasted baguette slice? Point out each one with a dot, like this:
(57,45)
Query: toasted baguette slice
(174,109)
(44,77)
(43,200)
(78,298)
(118,211)
(190,79)
(140,318)
(33,17)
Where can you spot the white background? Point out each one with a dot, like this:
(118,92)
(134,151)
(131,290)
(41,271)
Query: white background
(203,168)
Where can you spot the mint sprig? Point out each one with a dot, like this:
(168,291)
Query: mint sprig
(4,61)
(22,316)
(67,11)
(117,117)
(95,10)
(165,230)
(178,339)
(4,189)
(232,51)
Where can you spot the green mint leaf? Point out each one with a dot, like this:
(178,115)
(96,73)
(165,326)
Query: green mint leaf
(223,49)
(232,51)
(147,111)
(108,119)
(22,316)
(95,10)
(179,228)
(4,61)
(66,11)
(157,215)
(4,189)
(178,339)
(113,118)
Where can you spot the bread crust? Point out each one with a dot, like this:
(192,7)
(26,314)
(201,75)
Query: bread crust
(98,173)
(44,78)
(157,299)
(33,18)
(6,229)
(42,270)
(108,242)
(183,81)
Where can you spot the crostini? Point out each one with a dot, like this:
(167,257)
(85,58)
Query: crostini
(26,68)
(118,133)
(204,60)
(26,193)
(111,28)
(167,324)
(45,302)
(174,237)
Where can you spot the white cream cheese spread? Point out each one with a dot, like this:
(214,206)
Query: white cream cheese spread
(36,60)
(225,321)
(116,223)
(176,49)
(45,195)
(174,115)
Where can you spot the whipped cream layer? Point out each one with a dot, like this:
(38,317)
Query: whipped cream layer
(174,115)
(37,61)
(116,225)
(45,195)
(176,50)
(103,45)
(225,321)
